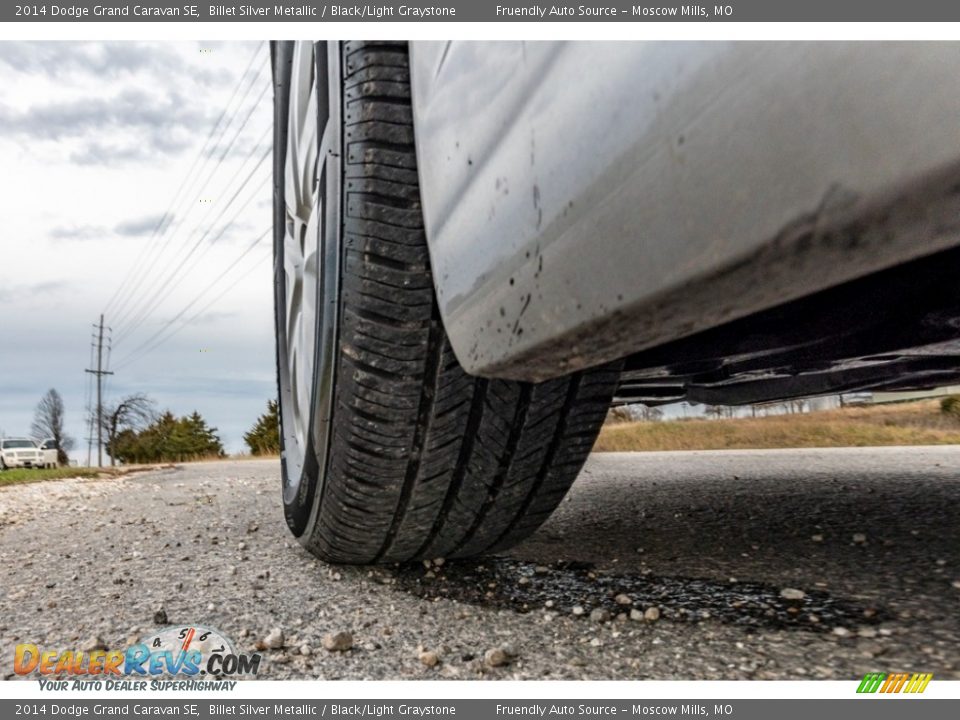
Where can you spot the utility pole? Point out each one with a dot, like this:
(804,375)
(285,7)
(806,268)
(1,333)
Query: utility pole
(89,407)
(99,372)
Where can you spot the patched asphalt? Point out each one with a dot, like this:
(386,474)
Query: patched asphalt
(785,564)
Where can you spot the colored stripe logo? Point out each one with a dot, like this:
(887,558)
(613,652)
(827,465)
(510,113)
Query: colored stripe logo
(894,683)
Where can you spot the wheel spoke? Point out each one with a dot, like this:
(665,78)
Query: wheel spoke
(301,246)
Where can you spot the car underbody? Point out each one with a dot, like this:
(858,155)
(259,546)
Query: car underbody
(892,330)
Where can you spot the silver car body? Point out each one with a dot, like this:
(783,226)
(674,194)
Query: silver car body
(584,201)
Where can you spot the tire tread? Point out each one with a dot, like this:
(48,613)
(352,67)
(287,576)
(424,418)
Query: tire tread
(425,461)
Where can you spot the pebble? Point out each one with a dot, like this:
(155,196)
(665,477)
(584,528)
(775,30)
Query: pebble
(866,632)
(636,614)
(623,599)
(160,617)
(578,610)
(651,614)
(495,657)
(338,642)
(841,632)
(274,639)
(817,538)
(792,594)
(859,538)
(305,650)
(94,643)
(955,584)
(429,657)
(871,649)
(241,546)
(600,615)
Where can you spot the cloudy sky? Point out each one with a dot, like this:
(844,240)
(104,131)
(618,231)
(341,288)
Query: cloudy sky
(135,181)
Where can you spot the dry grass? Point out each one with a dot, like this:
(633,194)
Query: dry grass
(917,423)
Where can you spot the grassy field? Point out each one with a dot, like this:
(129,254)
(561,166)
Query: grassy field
(917,423)
(16,476)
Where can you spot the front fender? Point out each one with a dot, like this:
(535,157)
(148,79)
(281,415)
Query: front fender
(587,200)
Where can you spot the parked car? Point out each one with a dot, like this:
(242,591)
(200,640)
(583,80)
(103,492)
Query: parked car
(20,452)
(51,454)
(479,247)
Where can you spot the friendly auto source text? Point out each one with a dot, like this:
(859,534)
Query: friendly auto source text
(543,11)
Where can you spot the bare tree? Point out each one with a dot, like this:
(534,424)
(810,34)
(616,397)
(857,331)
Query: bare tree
(133,412)
(48,424)
(619,414)
(714,411)
(651,414)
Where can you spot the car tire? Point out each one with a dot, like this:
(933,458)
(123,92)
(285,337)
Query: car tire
(390,451)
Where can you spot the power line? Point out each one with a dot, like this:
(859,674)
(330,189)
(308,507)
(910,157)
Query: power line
(199,313)
(196,298)
(156,340)
(150,290)
(160,276)
(129,308)
(168,214)
(176,275)
(167,218)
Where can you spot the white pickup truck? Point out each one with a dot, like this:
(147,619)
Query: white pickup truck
(20,452)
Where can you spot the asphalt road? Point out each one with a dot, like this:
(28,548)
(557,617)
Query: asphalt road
(870,537)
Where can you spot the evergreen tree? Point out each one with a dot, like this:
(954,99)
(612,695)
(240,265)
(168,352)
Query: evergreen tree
(168,439)
(264,436)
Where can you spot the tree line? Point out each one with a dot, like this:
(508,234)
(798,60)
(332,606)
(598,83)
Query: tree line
(136,433)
